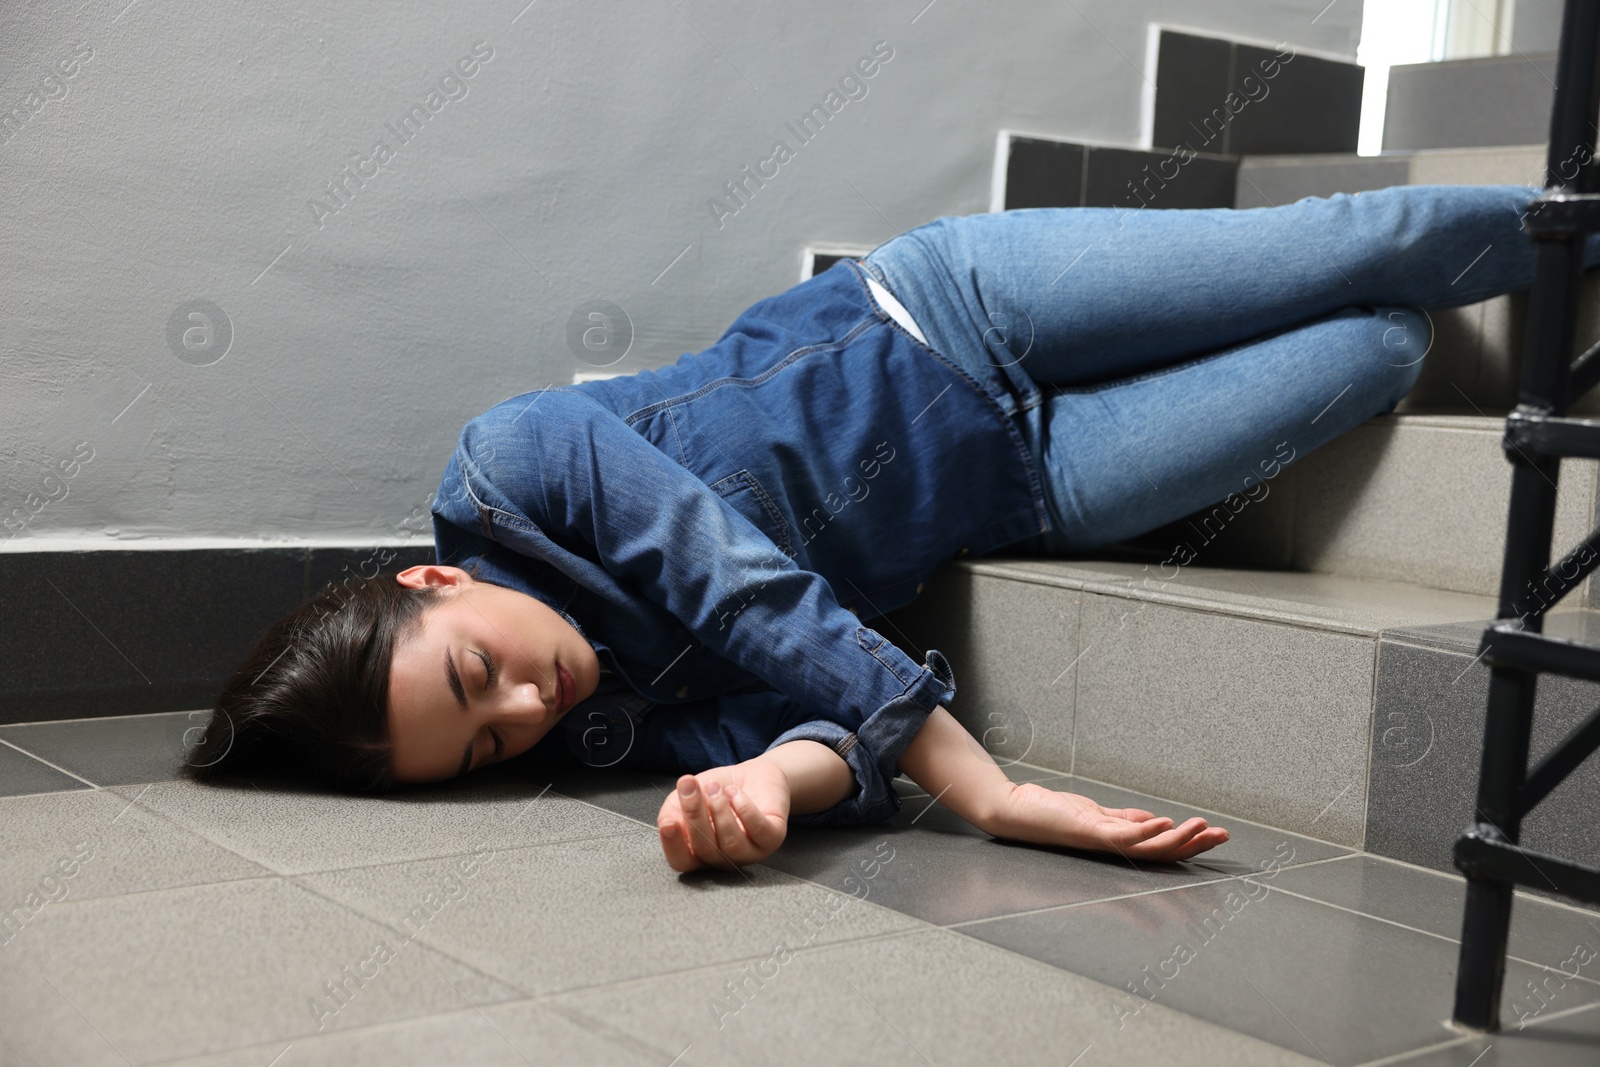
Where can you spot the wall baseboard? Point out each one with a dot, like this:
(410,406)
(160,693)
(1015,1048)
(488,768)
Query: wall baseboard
(119,632)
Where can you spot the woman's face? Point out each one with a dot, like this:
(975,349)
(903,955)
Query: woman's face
(479,681)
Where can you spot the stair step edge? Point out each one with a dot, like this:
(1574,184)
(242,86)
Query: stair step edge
(1334,603)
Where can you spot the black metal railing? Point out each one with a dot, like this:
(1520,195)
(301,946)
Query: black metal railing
(1538,436)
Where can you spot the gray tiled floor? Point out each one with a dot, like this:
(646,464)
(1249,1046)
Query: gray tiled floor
(526,916)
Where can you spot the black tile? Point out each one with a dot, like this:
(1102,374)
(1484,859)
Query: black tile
(330,566)
(122,750)
(1327,983)
(119,632)
(1044,174)
(821,261)
(1192,78)
(1133,178)
(1310,105)
(1427,744)
(21,774)
(122,632)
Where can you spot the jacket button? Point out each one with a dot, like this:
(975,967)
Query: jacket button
(853,611)
(683,690)
(963,552)
(919,587)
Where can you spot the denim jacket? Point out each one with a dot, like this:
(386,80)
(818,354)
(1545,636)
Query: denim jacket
(721,529)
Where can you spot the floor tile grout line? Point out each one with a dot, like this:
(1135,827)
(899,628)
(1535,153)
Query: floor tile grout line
(1118,990)
(101,718)
(621,984)
(148,809)
(1220,878)
(1411,1054)
(1419,930)
(620,832)
(480,968)
(1464,1038)
(552,1001)
(343,1032)
(47,763)
(476,968)
(269,871)
(77,903)
(919,926)
(49,793)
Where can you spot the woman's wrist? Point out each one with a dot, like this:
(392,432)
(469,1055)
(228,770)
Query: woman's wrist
(947,762)
(818,776)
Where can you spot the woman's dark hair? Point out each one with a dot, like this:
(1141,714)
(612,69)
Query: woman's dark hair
(311,700)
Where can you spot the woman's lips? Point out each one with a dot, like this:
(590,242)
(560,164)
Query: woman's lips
(569,688)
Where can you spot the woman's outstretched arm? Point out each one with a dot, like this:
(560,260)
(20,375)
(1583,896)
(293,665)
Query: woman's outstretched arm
(947,761)
(729,816)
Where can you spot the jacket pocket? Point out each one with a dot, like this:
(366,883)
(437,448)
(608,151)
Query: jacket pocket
(744,492)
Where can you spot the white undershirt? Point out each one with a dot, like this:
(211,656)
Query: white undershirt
(896,311)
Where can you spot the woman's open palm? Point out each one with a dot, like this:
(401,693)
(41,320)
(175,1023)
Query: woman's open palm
(725,817)
(1048,817)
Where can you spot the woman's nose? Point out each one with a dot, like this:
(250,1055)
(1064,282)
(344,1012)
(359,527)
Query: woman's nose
(526,701)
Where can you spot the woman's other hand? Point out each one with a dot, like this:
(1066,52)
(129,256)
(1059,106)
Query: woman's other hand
(726,816)
(1044,816)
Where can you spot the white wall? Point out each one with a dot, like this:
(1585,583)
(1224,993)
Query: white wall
(179,160)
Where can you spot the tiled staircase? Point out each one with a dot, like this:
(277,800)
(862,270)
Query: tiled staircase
(1314,667)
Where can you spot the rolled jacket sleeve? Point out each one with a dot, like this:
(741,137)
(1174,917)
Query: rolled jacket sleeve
(554,472)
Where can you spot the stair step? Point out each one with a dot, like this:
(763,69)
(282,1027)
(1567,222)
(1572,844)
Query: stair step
(1269,180)
(1511,99)
(1346,709)
(1419,499)
(1475,363)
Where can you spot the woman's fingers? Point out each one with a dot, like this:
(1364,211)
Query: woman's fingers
(729,834)
(1188,839)
(675,835)
(676,847)
(1209,838)
(697,821)
(766,832)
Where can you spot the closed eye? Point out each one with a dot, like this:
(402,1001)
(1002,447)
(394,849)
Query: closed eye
(489,669)
(489,673)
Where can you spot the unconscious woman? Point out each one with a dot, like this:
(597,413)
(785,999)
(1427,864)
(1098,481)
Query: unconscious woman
(675,570)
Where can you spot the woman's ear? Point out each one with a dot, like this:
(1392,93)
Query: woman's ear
(433,574)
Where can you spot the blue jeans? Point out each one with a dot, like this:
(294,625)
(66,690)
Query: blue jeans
(1162,360)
